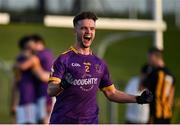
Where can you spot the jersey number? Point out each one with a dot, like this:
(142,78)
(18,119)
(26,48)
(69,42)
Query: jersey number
(87,68)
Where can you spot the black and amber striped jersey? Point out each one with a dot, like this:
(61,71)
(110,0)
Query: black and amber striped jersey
(161,83)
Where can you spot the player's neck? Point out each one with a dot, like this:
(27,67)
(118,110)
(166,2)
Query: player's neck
(161,63)
(82,50)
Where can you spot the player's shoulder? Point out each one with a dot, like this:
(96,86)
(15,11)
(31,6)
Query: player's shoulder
(47,51)
(168,71)
(169,75)
(162,69)
(66,54)
(99,60)
(44,52)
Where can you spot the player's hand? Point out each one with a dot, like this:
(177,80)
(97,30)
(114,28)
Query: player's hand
(35,61)
(145,97)
(64,84)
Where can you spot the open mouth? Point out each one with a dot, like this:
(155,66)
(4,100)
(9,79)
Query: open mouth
(87,37)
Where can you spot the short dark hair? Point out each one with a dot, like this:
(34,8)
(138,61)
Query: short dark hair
(156,51)
(23,41)
(27,38)
(84,15)
(36,38)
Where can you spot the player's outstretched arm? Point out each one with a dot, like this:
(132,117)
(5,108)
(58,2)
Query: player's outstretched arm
(118,96)
(121,97)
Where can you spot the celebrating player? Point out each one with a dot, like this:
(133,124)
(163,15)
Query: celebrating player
(24,105)
(76,76)
(40,63)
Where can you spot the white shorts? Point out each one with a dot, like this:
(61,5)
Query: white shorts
(41,108)
(26,114)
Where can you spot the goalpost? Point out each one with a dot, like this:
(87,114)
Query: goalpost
(157,25)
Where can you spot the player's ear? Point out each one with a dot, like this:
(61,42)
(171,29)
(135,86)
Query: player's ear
(75,27)
(74,30)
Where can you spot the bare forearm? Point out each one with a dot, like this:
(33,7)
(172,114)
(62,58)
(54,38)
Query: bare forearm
(25,65)
(121,97)
(41,74)
(54,89)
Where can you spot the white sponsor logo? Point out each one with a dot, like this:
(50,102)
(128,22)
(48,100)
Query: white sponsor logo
(87,81)
(75,65)
(82,83)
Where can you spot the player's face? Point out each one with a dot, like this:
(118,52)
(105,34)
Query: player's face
(39,46)
(152,59)
(31,45)
(85,32)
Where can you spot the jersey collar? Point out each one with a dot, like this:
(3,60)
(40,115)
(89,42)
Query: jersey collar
(77,52)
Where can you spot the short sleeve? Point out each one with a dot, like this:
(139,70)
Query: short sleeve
(57,70)
(105,80)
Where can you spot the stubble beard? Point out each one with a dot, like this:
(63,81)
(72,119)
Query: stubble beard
(81,44)
(84,46)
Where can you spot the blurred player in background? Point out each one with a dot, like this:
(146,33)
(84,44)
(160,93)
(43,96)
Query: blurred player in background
(23,101)
(46,59)
(78,74)
(40,63)
(160,81)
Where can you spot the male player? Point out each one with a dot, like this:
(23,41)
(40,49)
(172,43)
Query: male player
(23,106)
(160,81)
(40,64)
(76,76)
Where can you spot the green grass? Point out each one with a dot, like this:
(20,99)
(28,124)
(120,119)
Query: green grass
(124,59)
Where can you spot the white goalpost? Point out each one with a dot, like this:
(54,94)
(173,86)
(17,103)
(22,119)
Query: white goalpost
(157,25)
